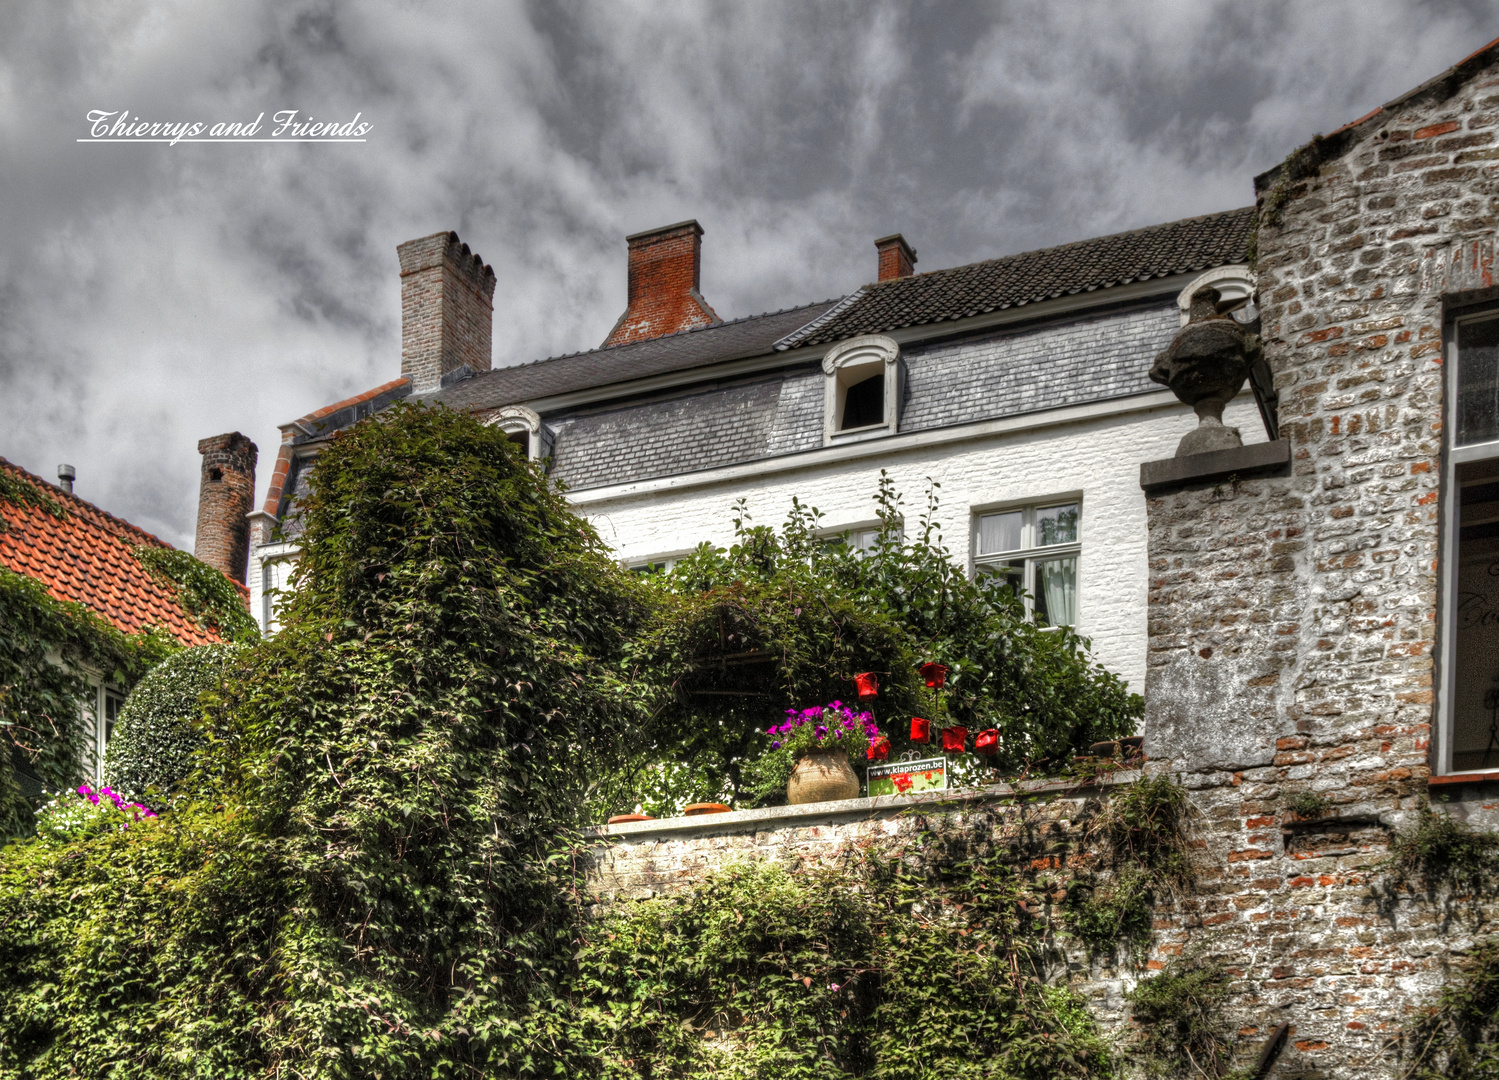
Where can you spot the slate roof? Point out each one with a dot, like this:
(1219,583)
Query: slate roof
(85,557)
(961,292)
(755,335)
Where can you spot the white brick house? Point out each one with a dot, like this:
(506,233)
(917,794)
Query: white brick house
(1019,384)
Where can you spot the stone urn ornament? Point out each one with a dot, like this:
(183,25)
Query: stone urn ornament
(1205,366)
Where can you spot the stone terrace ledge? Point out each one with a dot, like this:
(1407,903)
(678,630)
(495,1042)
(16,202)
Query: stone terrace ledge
(845,811)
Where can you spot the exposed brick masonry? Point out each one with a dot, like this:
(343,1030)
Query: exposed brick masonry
(226,493)
(896,257)
(447,310)
(665,271)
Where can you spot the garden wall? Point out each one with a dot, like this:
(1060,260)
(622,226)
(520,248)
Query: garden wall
(1312,930)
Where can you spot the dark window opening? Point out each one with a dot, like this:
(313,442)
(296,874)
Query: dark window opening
(215,474)
(1475,705)
(521,439)
(864,403)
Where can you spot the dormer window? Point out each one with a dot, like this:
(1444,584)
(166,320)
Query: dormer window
(1235,285)
(524,428)
(864,381)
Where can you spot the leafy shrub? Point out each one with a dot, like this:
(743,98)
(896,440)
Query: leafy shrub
(1435,848)
(872,969)
(205,594)
(1458,1038)
(154,737)
(41,741)
(380,881)
(1179,1028)
(779,619)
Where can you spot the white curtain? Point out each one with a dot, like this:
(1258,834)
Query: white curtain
(1059,586)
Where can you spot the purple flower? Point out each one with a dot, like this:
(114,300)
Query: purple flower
(821,732)
(775,746)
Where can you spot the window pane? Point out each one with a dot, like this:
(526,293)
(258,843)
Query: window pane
(1475,705)
(1056,525)
(1056,591)
(1477,382)
(1012,572)
(864,403)
(999,532)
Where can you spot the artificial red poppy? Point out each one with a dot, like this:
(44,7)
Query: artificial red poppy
(878,750)
(934,673)
(987,742)
(902,782)
(921,730)
(954,739)
(868,685)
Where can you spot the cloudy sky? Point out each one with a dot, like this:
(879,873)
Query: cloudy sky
(152,295)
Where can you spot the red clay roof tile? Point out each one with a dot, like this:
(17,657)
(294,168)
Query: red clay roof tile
(86,557)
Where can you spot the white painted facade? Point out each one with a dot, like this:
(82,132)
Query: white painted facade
(1089,453)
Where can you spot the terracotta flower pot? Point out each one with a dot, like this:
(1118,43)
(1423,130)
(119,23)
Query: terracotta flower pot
(921,730)
(868,685)
(822,776)
(694,809)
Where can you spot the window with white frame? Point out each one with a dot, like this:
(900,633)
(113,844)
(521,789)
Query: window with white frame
(862,538)
(524,428)
(275,585)
(99,718)
(1468,713)
(864,388)
(1036,550)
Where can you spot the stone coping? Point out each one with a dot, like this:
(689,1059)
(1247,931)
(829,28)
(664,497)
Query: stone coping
(847,809)
(1252,460)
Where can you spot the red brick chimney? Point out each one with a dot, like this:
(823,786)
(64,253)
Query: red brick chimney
(897,258)
(226,494)
(665,272)
(447,310)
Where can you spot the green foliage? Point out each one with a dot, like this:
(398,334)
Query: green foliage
(1307,804)
(378,884)
(874,969)
(1179,1026)
(20,492)
(1458,1038)
(204,593)
(1434,849)
(1141,830)
(786,620)
(155,738)
(41,739)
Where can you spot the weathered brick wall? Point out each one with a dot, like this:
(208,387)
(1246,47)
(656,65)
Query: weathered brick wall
(447,310)
(665,276)
(226,493)
(1293,619)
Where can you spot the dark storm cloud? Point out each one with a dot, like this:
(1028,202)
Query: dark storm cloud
(153,295)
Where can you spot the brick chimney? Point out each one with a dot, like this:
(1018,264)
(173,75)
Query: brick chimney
(447,310)
(665,272)
(226,493)
(897,258)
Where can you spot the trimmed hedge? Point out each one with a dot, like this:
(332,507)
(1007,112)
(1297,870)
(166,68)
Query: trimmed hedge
(155,738)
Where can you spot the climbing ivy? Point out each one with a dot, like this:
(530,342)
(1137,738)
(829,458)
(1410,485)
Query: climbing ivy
(21,492)
(204,593)
(45,646)
(1457,1038)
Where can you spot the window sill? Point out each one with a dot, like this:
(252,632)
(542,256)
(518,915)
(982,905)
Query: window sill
(859,434)
(1489,776)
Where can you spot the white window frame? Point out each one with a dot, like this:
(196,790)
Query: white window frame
(273,566)
(850,362)
(1235,282)
(98,725)
(1448,551)
(872,528)
(1028,550)
(516,420)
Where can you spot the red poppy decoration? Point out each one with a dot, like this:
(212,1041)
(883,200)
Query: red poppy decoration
(879,750)
(934,673)
(868,685)
(987,742)
(954,739)
(921,730)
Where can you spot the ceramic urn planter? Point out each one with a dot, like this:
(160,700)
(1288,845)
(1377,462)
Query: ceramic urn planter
(1205,366)
(822,776)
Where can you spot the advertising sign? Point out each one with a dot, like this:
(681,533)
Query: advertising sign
(907,777)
